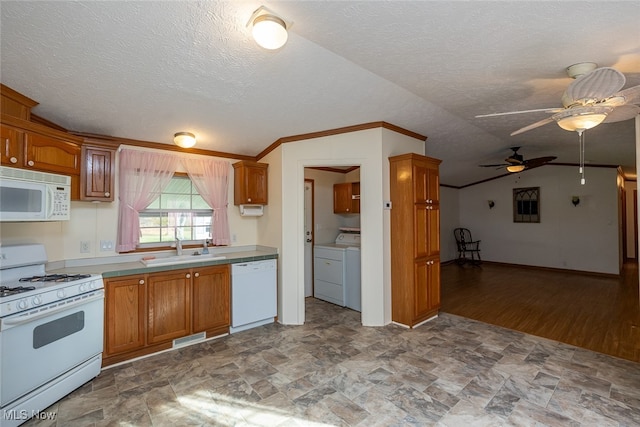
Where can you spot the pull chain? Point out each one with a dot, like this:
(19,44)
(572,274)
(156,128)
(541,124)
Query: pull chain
(581,148)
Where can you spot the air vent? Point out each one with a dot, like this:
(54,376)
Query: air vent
(29,175)
(191,339)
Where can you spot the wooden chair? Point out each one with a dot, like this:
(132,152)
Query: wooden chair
(467,246)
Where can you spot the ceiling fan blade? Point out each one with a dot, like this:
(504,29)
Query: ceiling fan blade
(631,94)
(538,161)
(545,110)
(494,166)
(622,113)
(598,84)
(533,126)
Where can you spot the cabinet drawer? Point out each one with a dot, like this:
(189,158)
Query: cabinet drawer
(328,270)
(329,292)
(336,254)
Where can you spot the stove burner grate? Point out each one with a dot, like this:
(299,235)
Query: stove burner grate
(5,291)
(55,278)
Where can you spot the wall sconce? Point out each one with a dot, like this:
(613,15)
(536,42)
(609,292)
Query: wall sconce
(268,29)
(491,204)
(575,200)
(184,139)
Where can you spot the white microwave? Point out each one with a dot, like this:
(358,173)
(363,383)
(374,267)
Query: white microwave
(27,195)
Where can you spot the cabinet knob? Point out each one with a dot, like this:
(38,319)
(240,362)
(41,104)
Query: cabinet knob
(30,163)
(107,194)
(197,274)
(141,282)
(347,209)
(13,160)
(188,275)
(248,199)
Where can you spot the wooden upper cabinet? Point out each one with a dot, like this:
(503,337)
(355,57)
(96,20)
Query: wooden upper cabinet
(250,183)
(346,198)
(15,104)
(98,173)
(52,154)
(12,140)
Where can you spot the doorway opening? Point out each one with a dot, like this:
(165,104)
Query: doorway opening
(331,236)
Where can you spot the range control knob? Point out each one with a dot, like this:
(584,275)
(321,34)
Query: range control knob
(61,293)
(83,287)
(93,285)
(36,300)
(23,304)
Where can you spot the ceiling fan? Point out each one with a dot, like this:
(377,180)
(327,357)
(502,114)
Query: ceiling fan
(592,98)
(516,162)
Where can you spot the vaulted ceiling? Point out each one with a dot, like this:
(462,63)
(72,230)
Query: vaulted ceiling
(145,70)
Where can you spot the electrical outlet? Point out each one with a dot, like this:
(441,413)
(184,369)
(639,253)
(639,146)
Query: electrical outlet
(234,238)
(85,247)
(106,245)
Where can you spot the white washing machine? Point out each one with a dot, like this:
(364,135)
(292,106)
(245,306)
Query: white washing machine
(337,271)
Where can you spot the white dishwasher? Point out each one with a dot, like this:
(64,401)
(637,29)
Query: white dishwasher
(253,294)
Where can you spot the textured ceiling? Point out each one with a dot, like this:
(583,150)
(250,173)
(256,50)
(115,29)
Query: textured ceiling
(145,70)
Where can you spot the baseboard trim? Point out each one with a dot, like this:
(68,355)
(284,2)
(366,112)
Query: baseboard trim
(558,270)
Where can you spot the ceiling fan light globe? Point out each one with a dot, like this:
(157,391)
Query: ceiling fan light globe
(575,120)
(515,168)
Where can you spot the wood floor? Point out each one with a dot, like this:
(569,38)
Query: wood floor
(594,312)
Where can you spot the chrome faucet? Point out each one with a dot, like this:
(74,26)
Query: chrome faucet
(205,247)
(178,246)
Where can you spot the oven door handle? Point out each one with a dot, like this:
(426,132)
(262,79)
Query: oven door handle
(21,319)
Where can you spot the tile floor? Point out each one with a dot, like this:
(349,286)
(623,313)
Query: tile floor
(333,372)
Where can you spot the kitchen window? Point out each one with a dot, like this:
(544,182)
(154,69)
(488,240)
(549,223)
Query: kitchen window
(179,212)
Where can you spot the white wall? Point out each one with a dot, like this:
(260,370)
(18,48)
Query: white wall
(369,149)
(94,222)
(581,238)
(449,219)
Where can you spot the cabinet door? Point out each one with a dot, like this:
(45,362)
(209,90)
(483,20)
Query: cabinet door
(97,176)
(427,287)
(169,302)
(433,281)
(11,143)
(342,198)
(211,298)
(50,154)
(256,182)
(124,314)
(433,185)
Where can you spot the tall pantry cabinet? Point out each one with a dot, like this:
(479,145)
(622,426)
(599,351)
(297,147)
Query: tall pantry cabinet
(415,238)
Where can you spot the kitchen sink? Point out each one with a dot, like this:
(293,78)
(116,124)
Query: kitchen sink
(181,259)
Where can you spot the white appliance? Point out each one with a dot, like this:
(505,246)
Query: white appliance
(253,294)
(251,210)
(51,332)
(337,270)
(27,195)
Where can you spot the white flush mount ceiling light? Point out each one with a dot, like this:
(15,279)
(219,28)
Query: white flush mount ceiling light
(184,139)
(268,29)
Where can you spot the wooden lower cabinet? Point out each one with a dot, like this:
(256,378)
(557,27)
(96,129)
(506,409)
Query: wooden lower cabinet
(211,299)
(145,313)
(427,289)
(169,305)
(125,317)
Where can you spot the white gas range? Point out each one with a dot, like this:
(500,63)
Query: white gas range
(51,332)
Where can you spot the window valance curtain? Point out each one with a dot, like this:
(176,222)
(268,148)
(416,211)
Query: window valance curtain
(142,177)
(211,178)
